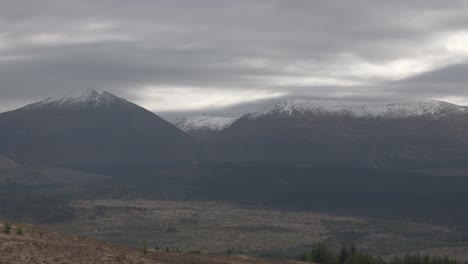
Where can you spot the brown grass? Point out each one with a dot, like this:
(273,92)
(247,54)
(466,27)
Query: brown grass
(39,245)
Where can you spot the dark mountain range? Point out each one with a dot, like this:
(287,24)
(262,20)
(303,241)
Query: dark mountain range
(98,127)
(302,130)
(92,127)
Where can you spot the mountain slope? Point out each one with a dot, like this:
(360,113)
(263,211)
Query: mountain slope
(203,125)
(91,127)
(301,130)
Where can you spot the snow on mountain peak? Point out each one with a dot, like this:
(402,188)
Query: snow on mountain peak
(203,122)
(403,109)
(88,98)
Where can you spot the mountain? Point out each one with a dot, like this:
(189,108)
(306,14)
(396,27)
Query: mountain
(98,127)
(91,127)
(302,130)
(395,110)
(203,125)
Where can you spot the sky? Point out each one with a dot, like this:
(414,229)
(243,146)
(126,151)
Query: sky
(224,57)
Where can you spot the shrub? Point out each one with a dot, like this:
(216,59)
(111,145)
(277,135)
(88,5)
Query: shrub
(19,231)
(6,228)
(321,254)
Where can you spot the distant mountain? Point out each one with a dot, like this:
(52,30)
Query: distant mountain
(91,127)
(98,127)
(301,130)
(395,110)
(203,125)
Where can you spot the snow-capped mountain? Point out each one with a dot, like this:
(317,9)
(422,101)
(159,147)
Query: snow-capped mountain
(203,123)
(93,126)
(304,130)
(406,109)
(86,99)
(96,126)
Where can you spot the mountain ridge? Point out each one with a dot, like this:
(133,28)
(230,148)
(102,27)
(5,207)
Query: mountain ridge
(92,126)
(304,130)
(96,126)
(399,109)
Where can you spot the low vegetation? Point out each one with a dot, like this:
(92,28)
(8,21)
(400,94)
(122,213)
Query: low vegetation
(39,245)
(322,254)
(215,227)
(6,228)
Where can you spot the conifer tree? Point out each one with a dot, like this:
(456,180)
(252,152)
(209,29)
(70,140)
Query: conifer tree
(145,247)
(344,254)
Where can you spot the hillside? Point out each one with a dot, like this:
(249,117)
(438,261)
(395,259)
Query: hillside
(90,127)
(96,127)
(305,130)
(39,245)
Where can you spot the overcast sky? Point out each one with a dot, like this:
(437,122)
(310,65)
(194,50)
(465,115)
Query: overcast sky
(180,57)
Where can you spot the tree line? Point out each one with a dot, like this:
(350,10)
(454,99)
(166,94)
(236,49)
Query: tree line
(322,254)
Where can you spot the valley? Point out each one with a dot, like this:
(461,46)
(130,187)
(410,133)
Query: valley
(268,210)
(233,132)
(389,178)
(249,229)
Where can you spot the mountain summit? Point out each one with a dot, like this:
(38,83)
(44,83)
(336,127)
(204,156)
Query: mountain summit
(88,99)
(90,127)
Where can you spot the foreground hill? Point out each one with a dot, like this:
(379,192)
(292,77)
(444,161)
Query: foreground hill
(91,127)
(304,130)
(38,245)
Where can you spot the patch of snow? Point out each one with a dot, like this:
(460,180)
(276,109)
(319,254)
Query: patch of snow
(203,122)
(89,98)
(404,109)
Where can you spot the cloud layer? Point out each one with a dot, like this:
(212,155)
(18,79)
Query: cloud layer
(192,56)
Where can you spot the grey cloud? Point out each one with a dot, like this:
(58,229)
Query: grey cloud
(448,81)
(231,111)
(456,74)
(208,44)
